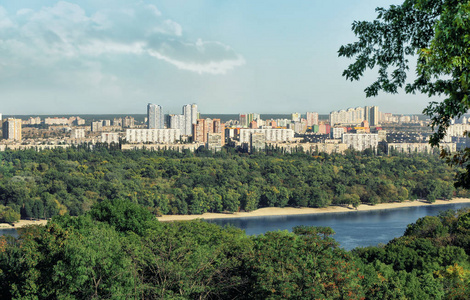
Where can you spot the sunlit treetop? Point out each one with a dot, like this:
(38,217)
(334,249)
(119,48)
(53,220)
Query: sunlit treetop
(437,34)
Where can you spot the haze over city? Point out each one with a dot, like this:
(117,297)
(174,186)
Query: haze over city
(78,57)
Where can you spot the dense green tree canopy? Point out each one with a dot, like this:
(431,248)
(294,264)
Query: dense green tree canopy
(92,256)
(437,32)
(48,183)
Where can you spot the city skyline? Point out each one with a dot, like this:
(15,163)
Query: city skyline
(90,57)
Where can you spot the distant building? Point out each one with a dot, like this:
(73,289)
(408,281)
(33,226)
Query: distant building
(337,132)
(110,137)
(190,118)
(324,129)
(56,121)
(77,133)
(176,122)
(32,121)
(246,119)
(417,147)
(96,126)
(117,122)
(128,122)
(372,115)
(214,141)
(271,134)
(162,136)
(361,141)
(12,129)
(258,141)
(204,127)
(349,116)
(154,116)
(295,117)
(312,118)
(200,131)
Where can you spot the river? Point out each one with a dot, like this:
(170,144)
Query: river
(353,229)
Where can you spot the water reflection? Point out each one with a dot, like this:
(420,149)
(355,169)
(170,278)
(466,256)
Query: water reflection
(353,229)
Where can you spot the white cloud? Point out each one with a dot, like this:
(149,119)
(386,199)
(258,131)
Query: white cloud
(5,21)
(212,67)
(66,35)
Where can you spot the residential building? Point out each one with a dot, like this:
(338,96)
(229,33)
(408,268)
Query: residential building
(214,141)
(350,116)
(190,118)
(271,134)
(162,136)
(295,117)
(12,129)
(96,126)
(128,122)
(154,116)
(337,132)
(56,121)
(110,137)
(312,118)
(77,133)
(258,141)
(361,141)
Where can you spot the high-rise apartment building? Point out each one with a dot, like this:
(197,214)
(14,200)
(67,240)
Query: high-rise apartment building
(154,116)
(246,119)
(349,116)
(12,129)
(190,118)
(204,127)
(200,131)
(128,122)
(312,118)
(372,115)
(96,126)
(296,117)
(176,122)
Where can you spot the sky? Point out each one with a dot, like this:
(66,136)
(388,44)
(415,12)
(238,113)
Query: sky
(115,56)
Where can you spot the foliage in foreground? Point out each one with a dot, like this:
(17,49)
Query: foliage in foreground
(51,182)
(86,258)
(436,32)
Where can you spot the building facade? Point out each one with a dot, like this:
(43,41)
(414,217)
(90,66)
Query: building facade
(154,116)
(12,129)
(110,137)
(271,134)
(190,118)
(162,136)
(361,141)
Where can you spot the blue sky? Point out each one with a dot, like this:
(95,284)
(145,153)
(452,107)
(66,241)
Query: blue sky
(103,56)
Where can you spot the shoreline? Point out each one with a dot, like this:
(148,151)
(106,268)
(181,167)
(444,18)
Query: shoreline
(22,223)
(289,211)
(275,211)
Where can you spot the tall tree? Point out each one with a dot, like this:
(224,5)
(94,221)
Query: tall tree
(437,32)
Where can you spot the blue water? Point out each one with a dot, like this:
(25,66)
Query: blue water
(9,231)
(353,229)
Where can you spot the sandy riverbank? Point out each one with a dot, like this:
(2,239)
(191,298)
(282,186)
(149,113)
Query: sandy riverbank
(275,211)
(22,223)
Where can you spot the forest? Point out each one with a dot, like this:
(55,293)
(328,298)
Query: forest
(43,184)
(119,250)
